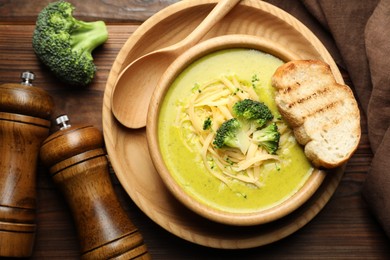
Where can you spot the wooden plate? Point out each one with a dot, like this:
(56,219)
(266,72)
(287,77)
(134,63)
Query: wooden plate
(128,149)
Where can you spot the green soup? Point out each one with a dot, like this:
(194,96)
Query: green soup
(281,179)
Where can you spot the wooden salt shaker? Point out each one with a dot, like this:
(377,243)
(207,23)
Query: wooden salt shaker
(79,166)
(24,124)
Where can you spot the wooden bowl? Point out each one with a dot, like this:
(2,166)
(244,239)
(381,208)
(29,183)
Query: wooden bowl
(257,217)
(128,149)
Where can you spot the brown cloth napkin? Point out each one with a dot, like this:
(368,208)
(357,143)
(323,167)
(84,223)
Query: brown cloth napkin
(357,34)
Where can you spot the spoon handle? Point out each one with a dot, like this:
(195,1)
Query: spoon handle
(219,11)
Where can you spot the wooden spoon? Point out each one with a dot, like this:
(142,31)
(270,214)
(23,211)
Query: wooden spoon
(136,83)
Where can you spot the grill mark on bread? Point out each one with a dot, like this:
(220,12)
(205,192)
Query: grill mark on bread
(302,100)
(323,109)
(328,107)
(286,90)
(291,88)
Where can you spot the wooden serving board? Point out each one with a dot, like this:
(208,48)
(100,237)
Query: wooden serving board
(128,149)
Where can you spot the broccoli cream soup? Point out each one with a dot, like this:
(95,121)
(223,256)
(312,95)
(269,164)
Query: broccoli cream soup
(250,165)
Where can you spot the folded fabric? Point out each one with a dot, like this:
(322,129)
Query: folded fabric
(376,189)
(361,34)
(377,40)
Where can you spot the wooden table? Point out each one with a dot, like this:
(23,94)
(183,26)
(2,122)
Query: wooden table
(344,229)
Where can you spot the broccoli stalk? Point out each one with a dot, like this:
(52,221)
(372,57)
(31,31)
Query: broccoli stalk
(268,138)
(252,111)
(87,36)
(231,134)
(65,44)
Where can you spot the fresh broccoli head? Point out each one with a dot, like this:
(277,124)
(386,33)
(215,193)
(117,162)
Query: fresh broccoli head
(64,44)
(231,134)
(252,110)
(268,138)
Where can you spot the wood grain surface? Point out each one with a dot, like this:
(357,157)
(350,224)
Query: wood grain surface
(344,229)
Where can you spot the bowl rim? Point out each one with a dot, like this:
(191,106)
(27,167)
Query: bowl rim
(208,46)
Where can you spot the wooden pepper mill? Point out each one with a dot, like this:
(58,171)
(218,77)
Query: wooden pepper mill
(79,166)
(24,124)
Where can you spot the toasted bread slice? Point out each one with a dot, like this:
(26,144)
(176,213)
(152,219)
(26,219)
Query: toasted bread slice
(323,114)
